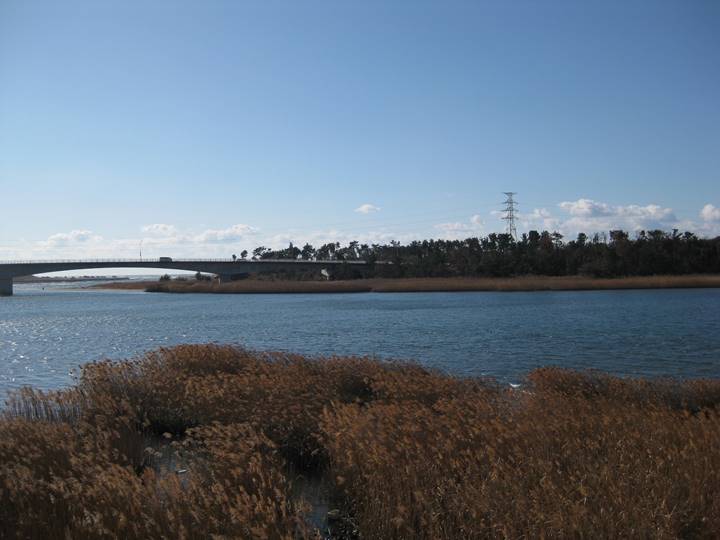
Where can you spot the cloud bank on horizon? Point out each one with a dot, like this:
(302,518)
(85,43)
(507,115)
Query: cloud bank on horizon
(162,239)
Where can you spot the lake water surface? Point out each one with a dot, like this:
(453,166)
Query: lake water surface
(46,334)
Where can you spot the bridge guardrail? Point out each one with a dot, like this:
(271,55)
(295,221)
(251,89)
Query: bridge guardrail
(73,261)
(174,260)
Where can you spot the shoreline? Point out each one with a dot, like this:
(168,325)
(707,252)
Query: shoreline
(382,285)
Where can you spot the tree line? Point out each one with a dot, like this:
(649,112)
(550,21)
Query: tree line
(500,255)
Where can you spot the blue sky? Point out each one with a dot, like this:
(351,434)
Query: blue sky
(202,128)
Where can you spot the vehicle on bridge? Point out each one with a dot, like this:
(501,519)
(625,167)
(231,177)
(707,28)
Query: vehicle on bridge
(165,259)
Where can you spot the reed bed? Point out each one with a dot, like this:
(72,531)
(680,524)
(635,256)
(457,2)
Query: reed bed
(438,284)
(206,441)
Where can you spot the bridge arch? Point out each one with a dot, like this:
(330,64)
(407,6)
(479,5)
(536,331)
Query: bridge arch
(226,269)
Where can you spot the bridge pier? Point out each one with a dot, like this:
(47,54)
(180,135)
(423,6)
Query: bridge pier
(6,286)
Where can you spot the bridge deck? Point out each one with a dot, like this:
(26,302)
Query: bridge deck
(178,260)
(226,269)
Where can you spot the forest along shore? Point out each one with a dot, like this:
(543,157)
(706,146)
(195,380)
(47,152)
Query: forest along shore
(522,283)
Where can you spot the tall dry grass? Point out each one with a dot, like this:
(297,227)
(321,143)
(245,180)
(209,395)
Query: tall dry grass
(460,284)
(552,465)
(199,442)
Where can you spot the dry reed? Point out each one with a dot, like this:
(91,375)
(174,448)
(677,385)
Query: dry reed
(409,452)
(520,283)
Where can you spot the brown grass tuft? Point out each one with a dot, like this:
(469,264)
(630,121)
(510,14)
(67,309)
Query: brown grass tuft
(437,284)
(197,441)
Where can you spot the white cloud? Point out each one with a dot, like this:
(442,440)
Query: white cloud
(586,208)
(160,239)
(224,236)
(710,213)
(160,229)
(591,216)
(367,208)
(164,234)
(538,219)
(454,230)
(73,237)
(651,212)
(453,226)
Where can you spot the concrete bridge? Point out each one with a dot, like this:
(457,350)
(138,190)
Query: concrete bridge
(225,269)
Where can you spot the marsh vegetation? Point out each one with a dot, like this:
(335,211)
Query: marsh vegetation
(211,441)
(521,283)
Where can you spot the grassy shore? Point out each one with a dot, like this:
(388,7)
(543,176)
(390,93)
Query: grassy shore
(210,441)
(523,283)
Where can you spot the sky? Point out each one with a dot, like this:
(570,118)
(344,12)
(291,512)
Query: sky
(200,129)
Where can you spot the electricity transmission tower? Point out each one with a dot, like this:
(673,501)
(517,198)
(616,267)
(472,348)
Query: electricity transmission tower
(509,213)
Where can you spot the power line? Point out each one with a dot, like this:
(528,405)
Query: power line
(509,213)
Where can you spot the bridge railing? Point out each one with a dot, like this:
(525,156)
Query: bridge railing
(90,261)
(173,261)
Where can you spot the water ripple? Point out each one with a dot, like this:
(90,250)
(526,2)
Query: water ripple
(46,335)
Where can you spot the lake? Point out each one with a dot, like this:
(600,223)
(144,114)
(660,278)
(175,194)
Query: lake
(46,334)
